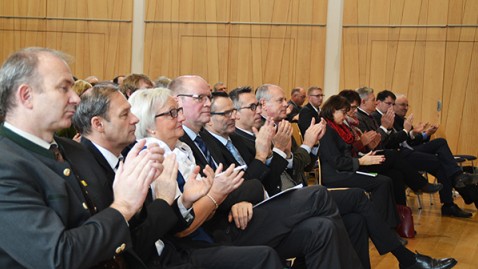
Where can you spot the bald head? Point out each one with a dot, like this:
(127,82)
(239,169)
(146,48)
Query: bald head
(401,105)
(194,97)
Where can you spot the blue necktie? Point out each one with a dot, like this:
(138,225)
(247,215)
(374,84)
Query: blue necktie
(205,151)
(181,181)
(235,153)
(200,234)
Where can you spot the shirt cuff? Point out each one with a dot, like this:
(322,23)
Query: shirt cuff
(425,136)
(290,161)
(307,148)
(315,150)
(385,130)
(186,213)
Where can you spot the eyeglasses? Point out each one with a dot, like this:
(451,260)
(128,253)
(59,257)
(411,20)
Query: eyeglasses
(353,107)
(389,103)
(403,105)
(226,113)
(343,110)
(252,107)
(317,95)
(200,98)
(173,113)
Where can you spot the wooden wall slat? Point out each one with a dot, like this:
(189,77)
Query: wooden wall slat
(240,54)
(427,64)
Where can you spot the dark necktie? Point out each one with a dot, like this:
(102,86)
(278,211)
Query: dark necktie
(205,151)
(200,234)
(181,181)
(54,148)
(118,163)
(235,153)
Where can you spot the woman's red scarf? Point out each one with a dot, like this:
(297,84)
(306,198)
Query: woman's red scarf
(343,131)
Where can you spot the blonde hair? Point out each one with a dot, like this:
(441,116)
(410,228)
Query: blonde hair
(81,86)
(144,104)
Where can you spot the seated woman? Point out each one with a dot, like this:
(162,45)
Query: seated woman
(168,130)
(394,166)
(340,167)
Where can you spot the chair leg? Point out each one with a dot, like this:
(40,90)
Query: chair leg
(420,202)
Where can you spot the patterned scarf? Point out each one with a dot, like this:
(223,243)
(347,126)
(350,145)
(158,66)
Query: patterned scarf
(342,130)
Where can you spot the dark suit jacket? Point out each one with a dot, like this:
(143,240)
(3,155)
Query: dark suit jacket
(395,137)
(295,110)
(249,189)
(368,123)
(305,116)
(255,168)
(417,140)
(156,219)
(43,219)
(302,161)
(336,158)
(269,175)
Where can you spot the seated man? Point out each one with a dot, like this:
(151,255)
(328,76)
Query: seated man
(297,99)
(107,125)
(433,156)
(51,191)
(306,215)
(351,202)
(312,109)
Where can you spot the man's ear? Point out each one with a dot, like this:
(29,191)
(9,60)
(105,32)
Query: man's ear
(263,104)
(97,124)
(25,95)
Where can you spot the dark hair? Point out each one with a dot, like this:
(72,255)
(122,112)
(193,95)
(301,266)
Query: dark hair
(234,94)
(95,102)
(351,96)
(381,96)
(215,96)
(219,94)
(116,79)
(295,90)
(334,103)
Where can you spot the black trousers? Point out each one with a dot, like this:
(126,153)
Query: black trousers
(204,255)
(401,172)
(436,158)
(381,189)
(353,204)
(302,223)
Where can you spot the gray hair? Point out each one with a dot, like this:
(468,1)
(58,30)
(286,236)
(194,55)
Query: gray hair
(262,92)
(144,104)
(180,85)
(364,92)
(21,68)
(95,102)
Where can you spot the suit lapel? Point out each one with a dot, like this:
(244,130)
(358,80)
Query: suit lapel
(245,147)
(245,135)
(218,151)
(200,159)
(100,159)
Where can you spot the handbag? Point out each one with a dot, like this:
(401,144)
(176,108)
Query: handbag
(405,228)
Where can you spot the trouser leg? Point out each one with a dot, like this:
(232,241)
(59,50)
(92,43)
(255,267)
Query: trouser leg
(257,257)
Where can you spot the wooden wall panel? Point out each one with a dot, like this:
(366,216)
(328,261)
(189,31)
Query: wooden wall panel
(99,46)
(428,63)
(240,42)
